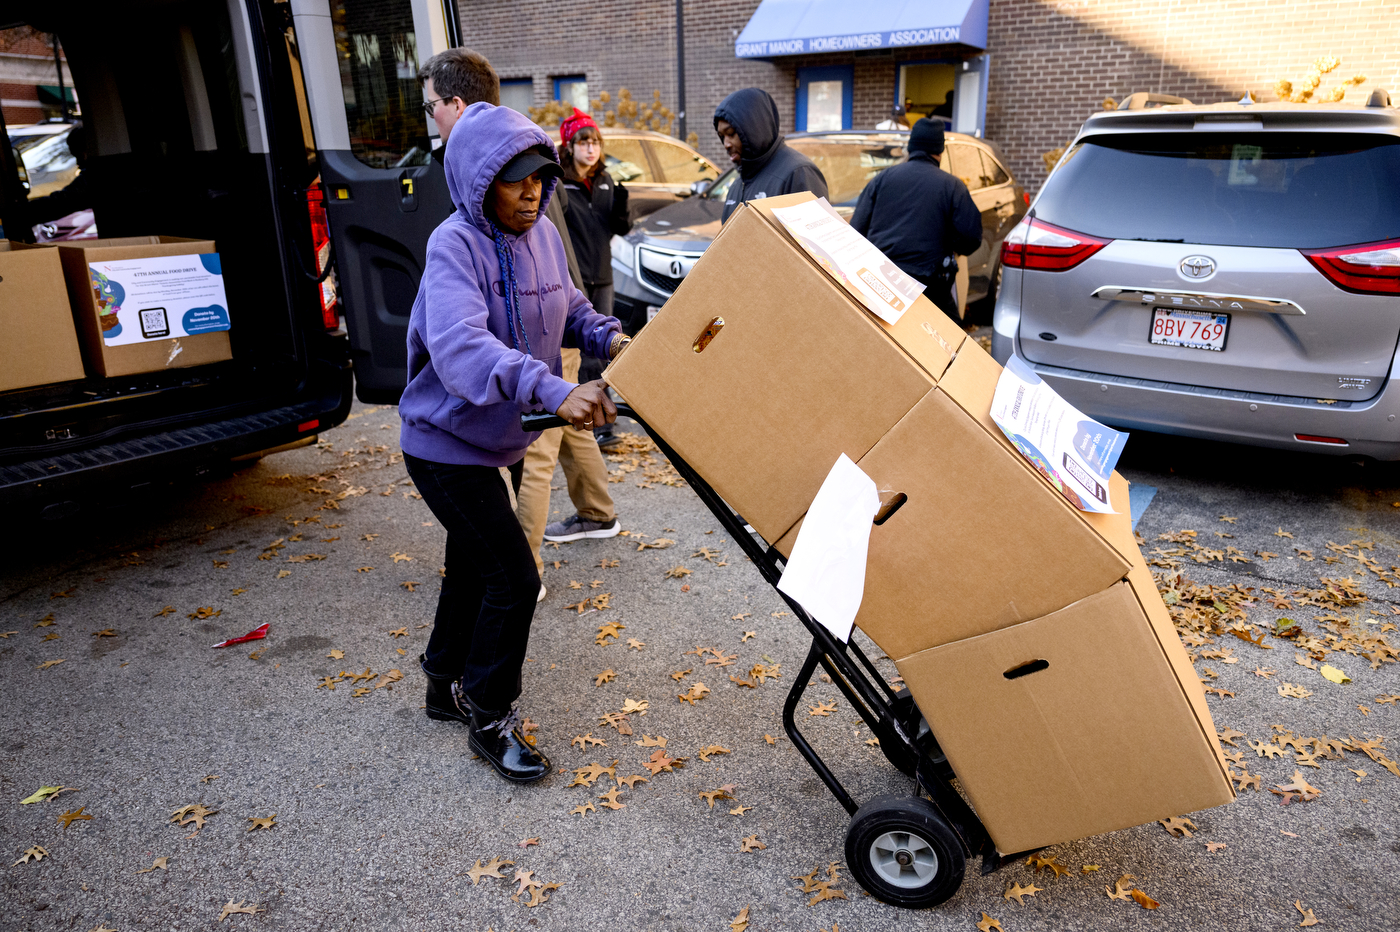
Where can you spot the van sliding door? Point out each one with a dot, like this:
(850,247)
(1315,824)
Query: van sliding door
(384,192)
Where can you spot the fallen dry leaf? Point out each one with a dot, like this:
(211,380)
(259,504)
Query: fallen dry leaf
(822,708)
(705,752)
(711,795)
(988,924)
(157,864)
(607,676)
(1214,846)
(696,692)
(493,869)
(740,923)
(649,742)
(752,843)
(269,822)
(1121,889)
(610,799)
(1178,826)
(525,843)
(679,675)
(1143,900)
(740,810)
(230,908)
(582,811)
(77,815)
(1016,891)
(34,852)
(1308,918)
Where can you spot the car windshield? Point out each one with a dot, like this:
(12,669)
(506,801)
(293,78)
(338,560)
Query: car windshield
(1287,190)
(849,166)
(720,188)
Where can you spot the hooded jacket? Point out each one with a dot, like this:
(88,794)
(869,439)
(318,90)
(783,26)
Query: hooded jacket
(467,381)
(768,166)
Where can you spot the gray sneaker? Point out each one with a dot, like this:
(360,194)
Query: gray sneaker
(577,528)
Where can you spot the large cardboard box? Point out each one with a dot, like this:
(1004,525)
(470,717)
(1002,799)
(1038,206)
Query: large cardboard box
(38,344)
(1118,735)
(1069,725)
(138,311)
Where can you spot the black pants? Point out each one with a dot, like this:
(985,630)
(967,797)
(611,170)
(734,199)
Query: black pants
(488,595)
(943,292)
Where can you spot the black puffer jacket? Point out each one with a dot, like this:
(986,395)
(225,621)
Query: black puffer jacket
(594,216)
(924,241)
(768,166)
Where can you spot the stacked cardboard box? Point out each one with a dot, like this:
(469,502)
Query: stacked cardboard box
(161,332)
(1030,634)
(39,345)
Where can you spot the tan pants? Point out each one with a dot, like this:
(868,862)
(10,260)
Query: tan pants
(584,471)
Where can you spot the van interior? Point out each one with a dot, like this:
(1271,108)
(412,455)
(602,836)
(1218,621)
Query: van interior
(195,125)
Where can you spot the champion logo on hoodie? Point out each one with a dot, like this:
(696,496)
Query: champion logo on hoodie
(500,289)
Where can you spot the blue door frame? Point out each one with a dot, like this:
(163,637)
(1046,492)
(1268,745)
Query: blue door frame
(843,73)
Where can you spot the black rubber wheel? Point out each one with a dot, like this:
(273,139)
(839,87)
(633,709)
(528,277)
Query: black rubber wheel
(902,852)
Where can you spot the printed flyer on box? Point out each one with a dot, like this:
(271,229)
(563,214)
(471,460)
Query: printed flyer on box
(850,258)
(1072,450)
(159,298)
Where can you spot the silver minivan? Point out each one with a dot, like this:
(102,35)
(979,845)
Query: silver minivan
(1228,271)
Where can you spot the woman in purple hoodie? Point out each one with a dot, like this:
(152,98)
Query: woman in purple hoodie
(493,310)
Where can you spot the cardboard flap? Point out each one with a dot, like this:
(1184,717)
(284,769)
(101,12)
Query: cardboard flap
(1067,726)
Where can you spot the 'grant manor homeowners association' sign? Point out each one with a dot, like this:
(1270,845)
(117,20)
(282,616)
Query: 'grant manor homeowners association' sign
(937,35)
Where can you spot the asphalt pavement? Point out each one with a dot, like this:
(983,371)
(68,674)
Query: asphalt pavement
(112,688)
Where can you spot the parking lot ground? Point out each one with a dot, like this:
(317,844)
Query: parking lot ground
(111,688)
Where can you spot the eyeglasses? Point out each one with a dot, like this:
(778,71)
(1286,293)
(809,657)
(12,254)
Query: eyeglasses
(430,105)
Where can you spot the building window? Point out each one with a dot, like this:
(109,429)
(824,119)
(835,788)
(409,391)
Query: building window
(926,90)
(572,89)
(824,98)
(518,94)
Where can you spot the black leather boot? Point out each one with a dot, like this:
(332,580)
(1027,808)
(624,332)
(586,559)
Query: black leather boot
(441,703)
(496,736)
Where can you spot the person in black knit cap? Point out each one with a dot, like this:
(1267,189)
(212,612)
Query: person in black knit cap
(922,217)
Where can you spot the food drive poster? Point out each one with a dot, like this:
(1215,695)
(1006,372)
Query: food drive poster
(159,298)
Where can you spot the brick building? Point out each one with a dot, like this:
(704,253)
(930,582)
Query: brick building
(1048,63)
(29,88)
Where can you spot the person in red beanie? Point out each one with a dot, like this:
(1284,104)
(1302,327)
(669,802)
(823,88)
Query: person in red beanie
(596,211)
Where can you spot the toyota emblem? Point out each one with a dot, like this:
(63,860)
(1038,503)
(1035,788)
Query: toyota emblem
(1198,267)
(677,270)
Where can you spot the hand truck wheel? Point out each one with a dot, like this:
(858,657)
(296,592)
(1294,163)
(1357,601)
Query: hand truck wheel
(901,851)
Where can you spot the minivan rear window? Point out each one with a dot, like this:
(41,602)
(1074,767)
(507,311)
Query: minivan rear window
(1288,190)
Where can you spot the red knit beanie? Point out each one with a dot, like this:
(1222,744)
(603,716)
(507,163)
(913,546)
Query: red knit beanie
(577,121)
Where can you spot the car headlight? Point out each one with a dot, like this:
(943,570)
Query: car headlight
(624,252)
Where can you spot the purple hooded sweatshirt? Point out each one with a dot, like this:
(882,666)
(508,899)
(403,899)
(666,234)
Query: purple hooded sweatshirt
(467,383)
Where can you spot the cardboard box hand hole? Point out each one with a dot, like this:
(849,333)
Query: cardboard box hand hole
(1027,668)
(888,508)
(711,330)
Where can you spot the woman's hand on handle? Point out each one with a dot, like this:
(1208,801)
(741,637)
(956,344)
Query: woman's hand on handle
(588,406)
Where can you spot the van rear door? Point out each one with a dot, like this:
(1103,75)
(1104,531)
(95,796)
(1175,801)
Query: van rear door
(384,192)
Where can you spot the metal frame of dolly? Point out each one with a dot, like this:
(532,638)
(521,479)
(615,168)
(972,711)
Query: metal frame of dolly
(892,716)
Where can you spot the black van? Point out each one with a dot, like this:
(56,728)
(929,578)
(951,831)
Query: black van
(200,123)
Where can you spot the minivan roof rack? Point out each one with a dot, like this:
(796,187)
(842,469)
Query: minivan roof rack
(1380,97)
(1144,100)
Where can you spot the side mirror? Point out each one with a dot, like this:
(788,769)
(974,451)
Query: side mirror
(701,186)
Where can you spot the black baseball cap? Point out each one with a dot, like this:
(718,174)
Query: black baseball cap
(527,163)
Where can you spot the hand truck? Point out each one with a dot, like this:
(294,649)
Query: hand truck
(909,851)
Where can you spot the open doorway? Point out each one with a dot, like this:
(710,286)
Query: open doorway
(927,90)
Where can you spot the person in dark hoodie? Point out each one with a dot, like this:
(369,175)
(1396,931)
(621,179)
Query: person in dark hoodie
(493,309)
(922,217)
(747,123)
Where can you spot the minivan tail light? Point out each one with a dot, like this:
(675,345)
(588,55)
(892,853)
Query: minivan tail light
(321,243)
(1370,268)
(1035,244)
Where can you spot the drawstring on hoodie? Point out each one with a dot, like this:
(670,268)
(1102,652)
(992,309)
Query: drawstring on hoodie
(512,291)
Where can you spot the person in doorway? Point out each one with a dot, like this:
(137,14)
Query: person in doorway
(747,124)
(494,308)
(597,211)
(924,242)
(897,120)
